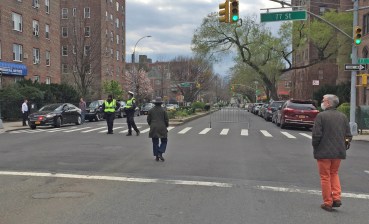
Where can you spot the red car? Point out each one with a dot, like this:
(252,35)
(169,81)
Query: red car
(298,113)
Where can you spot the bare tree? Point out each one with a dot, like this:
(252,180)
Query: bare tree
(139,83)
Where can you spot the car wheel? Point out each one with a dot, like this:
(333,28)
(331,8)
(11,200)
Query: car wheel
(79,120)
(32,126)
(90,120)
(282,124)
(58,122)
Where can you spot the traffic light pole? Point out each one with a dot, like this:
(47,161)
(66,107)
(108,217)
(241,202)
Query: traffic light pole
(353,124)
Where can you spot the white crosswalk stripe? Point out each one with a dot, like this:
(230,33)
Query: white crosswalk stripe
(126,131)
(244,132)
(95,129)
(266,133)
(170,128)
(77,129)
(185,130)
(224,131)
(206,130)
(146,130)
(107,129)
(306,135)
(288,135)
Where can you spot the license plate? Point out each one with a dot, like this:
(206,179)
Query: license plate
(37,122)
(301,116)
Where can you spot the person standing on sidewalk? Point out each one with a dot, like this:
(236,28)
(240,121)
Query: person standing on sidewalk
(25,112)
(109,107)
(82,106)
(158,121)
(329,134)
(130,109)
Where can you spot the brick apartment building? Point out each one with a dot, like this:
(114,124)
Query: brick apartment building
(93,44)
(29,41)
(326,72)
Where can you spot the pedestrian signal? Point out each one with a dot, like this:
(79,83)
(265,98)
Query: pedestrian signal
(234,11)
(357,35)
(224,12)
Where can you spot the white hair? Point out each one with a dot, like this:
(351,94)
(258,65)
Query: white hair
(333,99)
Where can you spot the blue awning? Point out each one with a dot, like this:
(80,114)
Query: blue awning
(7,68)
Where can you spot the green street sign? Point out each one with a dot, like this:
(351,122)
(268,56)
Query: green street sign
(185,84)
(363,60)
(283,16)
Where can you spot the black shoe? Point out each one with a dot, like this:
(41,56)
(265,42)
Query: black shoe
(157,159)
(161,157)
(129,134)
(137,133)
(337,204)
(110,132)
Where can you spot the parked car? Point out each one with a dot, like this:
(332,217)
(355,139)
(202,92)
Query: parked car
(93,111)
(55,115)
(122,113)
(146,107)
(300,113)
(256,108)
(262,110)
(273,106)
(172,107)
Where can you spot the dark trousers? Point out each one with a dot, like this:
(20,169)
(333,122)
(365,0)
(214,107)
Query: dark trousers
(25,118)
(159,149)
(131,123)
(110,121)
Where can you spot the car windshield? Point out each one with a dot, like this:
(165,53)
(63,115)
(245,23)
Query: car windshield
(148,105)
(51,107)
(301,106)
(94,104)
(276,104)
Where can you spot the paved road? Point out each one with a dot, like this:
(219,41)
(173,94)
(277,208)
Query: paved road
(249,171)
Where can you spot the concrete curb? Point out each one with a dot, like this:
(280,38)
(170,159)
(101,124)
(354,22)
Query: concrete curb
(178,122)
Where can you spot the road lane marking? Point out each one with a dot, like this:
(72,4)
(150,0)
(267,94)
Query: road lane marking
(95,129)
(245,132)
(77,129)
(184,130)
(265,133)
(146,130)
(313,192)
(224,131)
(113,129)
(206,130)
(306,135)
(126,131)
(170,128)
(288,135)
(116,178)
(366,171)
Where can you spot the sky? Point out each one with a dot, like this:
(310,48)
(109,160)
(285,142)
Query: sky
(171,24)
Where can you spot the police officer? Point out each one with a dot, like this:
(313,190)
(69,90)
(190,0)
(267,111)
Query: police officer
(130,108)
(109,107)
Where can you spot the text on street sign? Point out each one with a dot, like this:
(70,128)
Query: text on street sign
(283,16)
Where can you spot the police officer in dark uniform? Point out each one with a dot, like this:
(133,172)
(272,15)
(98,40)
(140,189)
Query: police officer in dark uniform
(130,108)
(109,107)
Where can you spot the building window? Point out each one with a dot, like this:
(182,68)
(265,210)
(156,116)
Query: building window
(87,50)
(35,27)
(366,24)
(0,50)
(88,69)
(64,31)
(48,80)
(87,31)
(47,6)
(111,36)
(74,49)
(117,23)
(111,52)
(36,79)
(36,56)
(17,21)
(106,16)
(35,4)
(64,68)
(111,17)
(47,31)
(74,12)
(322,10)
(287,84)
(118,55)
(64,13)
(17,52)
(87,13)
(117,39)
(47,57)
(117,6)
(64,50)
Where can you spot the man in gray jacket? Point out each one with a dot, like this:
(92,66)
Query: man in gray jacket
(330,131)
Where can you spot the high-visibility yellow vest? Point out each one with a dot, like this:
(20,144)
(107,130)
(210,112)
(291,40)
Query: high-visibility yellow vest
(110,107)
(130,103)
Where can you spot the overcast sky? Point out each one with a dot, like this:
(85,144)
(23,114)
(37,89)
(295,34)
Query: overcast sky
(171,24)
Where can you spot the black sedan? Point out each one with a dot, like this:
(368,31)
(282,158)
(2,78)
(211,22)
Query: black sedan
(55,115)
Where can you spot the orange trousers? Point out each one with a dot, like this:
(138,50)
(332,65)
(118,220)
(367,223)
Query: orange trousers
(329,180)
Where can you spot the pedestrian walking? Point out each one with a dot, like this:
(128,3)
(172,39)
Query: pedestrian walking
(130,109)
(25,112)
(158,121)
(329,134)
(82,106)
(109,107)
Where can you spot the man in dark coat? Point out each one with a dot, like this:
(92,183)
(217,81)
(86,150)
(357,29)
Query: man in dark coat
(329,134)
(109,107)
(158,120)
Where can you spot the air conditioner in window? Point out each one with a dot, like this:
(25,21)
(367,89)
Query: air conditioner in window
(37,5)
(25,55)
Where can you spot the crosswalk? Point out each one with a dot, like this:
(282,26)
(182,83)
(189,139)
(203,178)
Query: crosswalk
(177,130)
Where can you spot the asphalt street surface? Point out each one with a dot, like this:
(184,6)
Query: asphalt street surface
(234,168)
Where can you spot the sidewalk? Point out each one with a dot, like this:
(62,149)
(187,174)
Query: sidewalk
(17,125)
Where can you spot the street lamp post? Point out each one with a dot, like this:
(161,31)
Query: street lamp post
(134,49)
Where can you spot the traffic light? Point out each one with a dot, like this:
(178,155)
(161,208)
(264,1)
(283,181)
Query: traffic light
(357,35)
(234,11)
(224,12)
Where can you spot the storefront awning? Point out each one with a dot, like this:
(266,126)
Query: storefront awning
(7,68)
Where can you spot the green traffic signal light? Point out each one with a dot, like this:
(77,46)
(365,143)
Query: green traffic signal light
(358,41)
(234,11)
(357,35)
(235,18)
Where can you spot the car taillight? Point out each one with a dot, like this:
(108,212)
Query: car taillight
(40,118)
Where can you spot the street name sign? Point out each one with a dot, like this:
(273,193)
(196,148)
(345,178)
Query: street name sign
(363,60)
(354,67)
(283,16)
(185,84)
